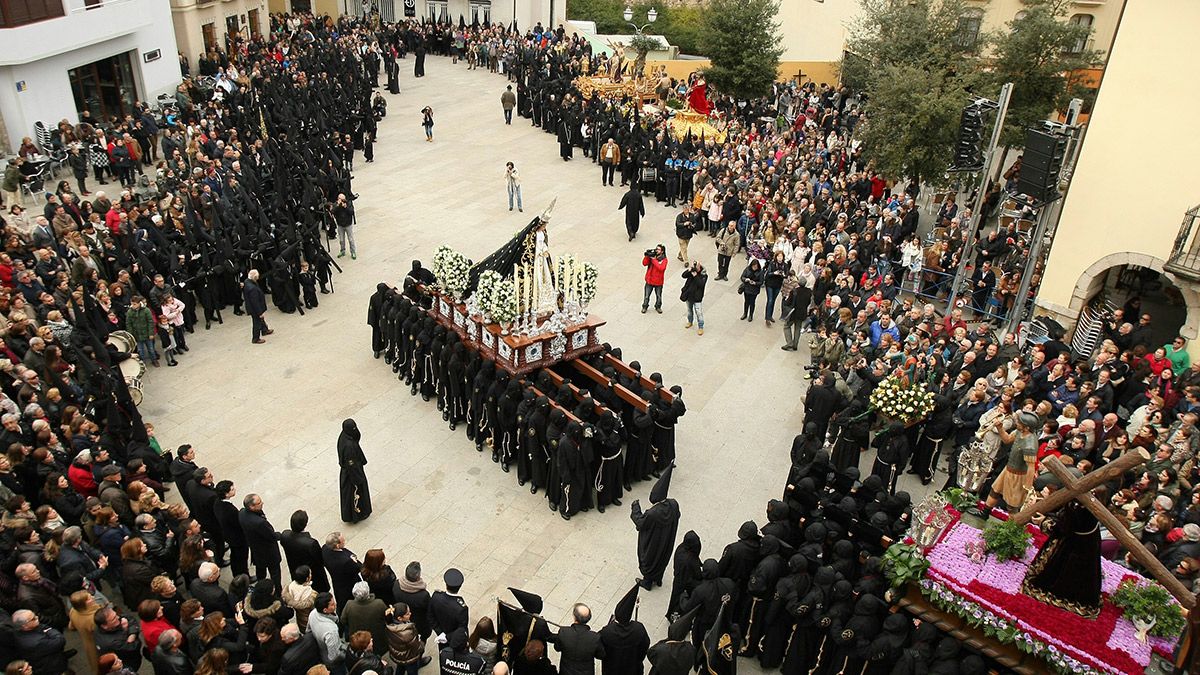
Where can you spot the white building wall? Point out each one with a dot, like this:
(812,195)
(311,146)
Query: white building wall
(815,30)
(42,53)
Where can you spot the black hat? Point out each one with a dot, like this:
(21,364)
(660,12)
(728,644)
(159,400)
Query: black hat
(529,602)
(453,578)
(624,611)
(679,628)
(659,491)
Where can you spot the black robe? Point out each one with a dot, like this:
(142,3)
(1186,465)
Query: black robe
(672,657)
(625,647)
(356,496)
(1066,570)
(656,537)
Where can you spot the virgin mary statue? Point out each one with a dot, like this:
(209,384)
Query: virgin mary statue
(530,246)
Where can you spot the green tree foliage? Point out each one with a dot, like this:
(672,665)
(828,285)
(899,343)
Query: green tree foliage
(922,33)
(741,39)
(1038,54)
(921,42)
(912,122)
(909,60)
(680,24)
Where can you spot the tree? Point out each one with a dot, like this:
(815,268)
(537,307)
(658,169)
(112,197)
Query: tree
(922,33)
(910,60)
(741,39)
(911,122)
(1039,54)
(678,23)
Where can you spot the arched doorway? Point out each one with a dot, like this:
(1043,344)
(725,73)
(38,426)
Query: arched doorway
(1136,280)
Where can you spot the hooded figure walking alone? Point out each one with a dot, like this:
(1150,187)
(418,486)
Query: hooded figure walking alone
(356,496)
(656,532)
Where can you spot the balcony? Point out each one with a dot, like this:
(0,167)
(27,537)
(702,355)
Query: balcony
(78,23)
(15,13)
(1185,255)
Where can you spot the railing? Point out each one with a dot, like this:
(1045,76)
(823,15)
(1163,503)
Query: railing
(15,13)
(1185,254)
(78,6)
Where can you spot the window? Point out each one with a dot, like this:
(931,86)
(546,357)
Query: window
(20,12)
(1084,21)
(105,87)
(438,11)
(481,12)
(255,29)
(969,25)
(209,31)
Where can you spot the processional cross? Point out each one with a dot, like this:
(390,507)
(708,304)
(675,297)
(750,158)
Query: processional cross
(1080,490)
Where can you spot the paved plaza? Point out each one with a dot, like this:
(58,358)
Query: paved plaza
(267,416)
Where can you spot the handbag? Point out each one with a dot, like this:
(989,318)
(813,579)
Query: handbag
(741,288)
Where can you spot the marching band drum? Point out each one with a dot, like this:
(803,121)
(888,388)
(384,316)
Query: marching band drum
(132,368)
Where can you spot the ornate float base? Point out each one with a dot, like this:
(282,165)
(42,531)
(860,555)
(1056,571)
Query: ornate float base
(518,355)
(983,596)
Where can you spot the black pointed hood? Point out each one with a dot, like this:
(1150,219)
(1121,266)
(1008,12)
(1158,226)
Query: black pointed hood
(529,602)
(350,428)
(681,627)
(624,611)
(660,489)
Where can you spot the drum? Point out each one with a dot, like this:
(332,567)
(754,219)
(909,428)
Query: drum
(132,368)
(123,341)
(135,389)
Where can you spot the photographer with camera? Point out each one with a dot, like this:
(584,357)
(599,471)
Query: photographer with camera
(694,281)
(655,262)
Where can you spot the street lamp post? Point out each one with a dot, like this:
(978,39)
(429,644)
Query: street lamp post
(651,17)
(640,40)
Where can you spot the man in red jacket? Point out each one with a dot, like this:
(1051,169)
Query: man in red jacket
(655,262)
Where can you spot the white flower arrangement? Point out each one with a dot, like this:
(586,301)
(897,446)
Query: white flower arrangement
(502,306)
(587,291)
(901,401)
(439,262)
(486,289)
(452,270)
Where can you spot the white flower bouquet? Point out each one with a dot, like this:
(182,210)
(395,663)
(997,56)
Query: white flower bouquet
(902,401)
(452,270)
(485,290)
(502,305)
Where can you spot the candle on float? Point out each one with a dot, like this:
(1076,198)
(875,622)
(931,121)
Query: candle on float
(517,282)
(519,279)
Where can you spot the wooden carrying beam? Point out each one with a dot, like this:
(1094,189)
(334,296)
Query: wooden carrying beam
(558,381)
(621,367)
(628,396)
(537,392)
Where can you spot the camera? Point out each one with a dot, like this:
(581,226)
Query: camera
(650,253)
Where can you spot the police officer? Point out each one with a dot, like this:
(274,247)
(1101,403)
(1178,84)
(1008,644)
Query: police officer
(456,659)
(671,170)
(447,609)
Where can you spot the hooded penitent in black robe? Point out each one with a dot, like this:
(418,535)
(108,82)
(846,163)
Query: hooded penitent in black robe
(761,590)
(625,640)
(779,624)
(676,655)
(686,573)
(374,318)
(884,651)
(356,496)
(656,531)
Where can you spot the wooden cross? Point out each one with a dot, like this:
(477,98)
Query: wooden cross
(1080,489)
